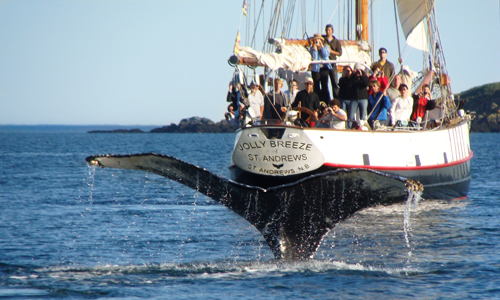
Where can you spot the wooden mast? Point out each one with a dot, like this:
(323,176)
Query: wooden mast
(362,20)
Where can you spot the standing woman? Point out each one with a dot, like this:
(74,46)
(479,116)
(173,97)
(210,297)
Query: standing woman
(319,72)
(359,81)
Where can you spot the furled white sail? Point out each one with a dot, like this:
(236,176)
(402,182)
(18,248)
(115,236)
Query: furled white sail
(412,15)
(292,57)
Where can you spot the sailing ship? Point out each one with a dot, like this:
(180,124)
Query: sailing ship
(294,183)
(436,152)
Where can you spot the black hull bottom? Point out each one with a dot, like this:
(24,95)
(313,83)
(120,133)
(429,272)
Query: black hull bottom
(292,218)
(447,183)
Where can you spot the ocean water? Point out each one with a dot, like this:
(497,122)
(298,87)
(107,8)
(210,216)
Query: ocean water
(72,231)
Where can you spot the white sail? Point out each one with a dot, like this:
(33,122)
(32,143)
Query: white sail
(412,15)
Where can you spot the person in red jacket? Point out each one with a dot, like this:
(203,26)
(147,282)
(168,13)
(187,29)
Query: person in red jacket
(379,76)
(421,103)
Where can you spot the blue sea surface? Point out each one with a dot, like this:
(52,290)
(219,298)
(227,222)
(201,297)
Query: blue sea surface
(68,230)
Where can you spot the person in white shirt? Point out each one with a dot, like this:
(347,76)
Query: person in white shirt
(401,108)
(256,101)
(334,115)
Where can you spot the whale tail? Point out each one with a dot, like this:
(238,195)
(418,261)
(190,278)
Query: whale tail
(293,218)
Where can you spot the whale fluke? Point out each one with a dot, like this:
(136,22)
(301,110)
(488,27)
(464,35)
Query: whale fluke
(293,218)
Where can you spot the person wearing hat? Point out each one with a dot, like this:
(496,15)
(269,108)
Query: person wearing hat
(387,66)
(319,72)
(335,50)
(307,98)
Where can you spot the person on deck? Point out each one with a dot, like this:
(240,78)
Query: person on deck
(256,101)
(401,108)
(229,115)
(422,103)
(293,90)
(299,76)
(378,75)
(386,66)
(307,98)
(333,115)
(359,81)
(319,72)
(275,102)
(345,88)
(234,96)
(393,92)
(335,51)
(379,104)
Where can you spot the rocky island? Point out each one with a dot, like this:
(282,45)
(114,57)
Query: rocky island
(190,125)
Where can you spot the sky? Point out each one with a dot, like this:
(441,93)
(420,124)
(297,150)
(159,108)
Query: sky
(155,62)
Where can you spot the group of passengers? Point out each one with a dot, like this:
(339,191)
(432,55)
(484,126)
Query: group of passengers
(369,97)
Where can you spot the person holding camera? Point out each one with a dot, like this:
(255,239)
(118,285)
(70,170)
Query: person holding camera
(359,81)
(319,72)
(345,87)
(334,115)
(422,102)
(379,76)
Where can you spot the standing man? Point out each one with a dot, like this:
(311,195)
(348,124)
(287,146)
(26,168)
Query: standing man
(275,102)
(308,98)
(335,50)
(387,66)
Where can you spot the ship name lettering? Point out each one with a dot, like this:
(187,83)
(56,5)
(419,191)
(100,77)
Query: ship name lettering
(252,145)
(281,158)
(276,172)
(253,157)
(291,145)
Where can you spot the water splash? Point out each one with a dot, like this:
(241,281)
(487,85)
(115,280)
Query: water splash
(414,196)
(90,182)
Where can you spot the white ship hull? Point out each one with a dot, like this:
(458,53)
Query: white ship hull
(439,159)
